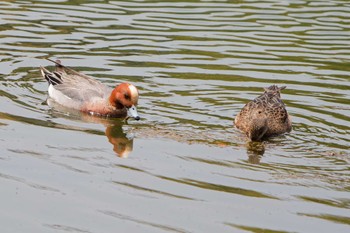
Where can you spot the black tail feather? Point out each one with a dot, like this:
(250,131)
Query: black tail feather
(53,78)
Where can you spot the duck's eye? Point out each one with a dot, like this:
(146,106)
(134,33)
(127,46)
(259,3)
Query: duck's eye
(126,96)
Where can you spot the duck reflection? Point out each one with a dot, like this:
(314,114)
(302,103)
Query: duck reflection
(122,145)
(255,151)
(121,141)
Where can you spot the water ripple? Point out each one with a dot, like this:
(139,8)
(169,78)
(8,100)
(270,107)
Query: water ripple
(196,64)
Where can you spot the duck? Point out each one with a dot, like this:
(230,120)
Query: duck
(265,116)
(75,90)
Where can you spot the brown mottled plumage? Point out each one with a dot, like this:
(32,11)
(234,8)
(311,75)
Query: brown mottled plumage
(265,116)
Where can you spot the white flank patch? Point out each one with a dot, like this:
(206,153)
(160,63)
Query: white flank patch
(51,91)
(60,98)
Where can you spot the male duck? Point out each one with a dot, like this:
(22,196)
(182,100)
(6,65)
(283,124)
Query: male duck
(265,116)
(75,90)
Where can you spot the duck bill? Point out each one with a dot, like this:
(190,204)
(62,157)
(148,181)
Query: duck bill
(132,112)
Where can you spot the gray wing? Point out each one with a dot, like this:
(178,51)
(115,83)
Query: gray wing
(82,88)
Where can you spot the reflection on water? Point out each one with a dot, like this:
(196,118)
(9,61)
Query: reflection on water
(255,151)
(121,141)
(196,64)
(122,144)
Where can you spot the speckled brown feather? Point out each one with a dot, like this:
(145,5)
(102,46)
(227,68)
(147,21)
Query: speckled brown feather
(265,116)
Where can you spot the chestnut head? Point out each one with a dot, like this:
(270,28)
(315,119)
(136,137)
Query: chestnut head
(125,95)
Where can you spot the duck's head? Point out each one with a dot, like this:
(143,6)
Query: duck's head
(125,95)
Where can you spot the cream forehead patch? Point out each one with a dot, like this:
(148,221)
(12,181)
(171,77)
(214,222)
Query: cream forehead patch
(133,90)
(134,93)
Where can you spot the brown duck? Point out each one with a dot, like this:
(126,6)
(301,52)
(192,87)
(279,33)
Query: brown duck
(265,116)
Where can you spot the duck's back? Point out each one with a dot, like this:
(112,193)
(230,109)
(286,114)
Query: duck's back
(81,88)
(73,89)
(276,114)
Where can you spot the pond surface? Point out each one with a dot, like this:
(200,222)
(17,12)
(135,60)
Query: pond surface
(183,167)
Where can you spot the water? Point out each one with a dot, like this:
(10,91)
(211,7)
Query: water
(183,167)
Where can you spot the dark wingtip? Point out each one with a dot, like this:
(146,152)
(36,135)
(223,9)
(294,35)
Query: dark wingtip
(282,88)
(57,62)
